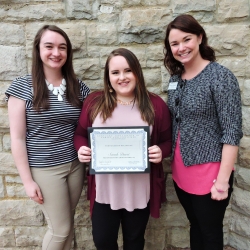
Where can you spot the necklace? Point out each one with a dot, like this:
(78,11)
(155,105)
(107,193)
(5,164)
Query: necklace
(59,91)
(125,103)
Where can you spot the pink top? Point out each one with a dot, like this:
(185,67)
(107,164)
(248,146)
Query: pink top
(191,179)
(129,191)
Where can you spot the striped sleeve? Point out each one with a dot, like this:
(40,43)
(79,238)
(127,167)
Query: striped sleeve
(84,89)
(20,88)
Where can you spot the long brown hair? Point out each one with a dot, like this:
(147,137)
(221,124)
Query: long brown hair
(188,24)
(40,90)
(106,102)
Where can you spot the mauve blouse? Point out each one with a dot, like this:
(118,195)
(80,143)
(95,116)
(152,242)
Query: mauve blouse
(129,191)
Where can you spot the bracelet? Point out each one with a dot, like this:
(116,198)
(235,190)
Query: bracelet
(219,190)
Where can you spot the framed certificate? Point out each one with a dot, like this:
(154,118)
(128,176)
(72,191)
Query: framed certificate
(119,150)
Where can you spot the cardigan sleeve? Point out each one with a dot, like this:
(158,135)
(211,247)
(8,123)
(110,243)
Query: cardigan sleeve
(81,133)
(162,126)
(227,98)
(165,135)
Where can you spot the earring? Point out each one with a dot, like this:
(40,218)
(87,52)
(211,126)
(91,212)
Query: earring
(110,90)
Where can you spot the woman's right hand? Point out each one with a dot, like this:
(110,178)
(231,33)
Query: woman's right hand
(33,191)
(84,154)
(18,130)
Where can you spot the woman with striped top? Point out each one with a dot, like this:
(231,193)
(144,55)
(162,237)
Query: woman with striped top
(205,104)
(44,109)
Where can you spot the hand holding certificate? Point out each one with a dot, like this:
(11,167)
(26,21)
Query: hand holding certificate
(119,150)
(116,153)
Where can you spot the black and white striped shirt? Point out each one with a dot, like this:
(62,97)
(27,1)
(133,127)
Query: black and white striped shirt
(50,132)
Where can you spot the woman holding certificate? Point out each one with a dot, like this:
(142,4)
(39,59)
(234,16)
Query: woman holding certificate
(125,198)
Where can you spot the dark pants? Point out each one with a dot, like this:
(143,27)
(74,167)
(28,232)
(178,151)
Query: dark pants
(106,223)
(206,218)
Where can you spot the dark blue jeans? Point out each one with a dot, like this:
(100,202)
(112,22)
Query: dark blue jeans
(206,218)
(106,223)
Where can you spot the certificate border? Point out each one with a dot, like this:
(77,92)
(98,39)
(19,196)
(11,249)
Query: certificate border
(145,128)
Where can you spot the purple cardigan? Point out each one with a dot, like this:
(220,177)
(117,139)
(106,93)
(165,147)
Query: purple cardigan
(161,136)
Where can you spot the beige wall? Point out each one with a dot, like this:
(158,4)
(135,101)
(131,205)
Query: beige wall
(96,27)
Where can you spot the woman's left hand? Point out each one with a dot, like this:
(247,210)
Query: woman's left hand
(154,154)
(216,192)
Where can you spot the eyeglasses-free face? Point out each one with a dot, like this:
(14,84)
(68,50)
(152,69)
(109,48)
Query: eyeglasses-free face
(184,46)
(122,78)
(53,50)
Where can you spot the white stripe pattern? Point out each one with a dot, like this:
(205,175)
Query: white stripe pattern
(49,133)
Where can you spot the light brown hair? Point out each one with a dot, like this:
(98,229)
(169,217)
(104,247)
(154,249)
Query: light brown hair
(106,102)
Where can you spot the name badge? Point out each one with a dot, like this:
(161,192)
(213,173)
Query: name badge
(172,85)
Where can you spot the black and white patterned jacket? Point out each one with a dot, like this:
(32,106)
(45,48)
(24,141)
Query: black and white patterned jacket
(207,112)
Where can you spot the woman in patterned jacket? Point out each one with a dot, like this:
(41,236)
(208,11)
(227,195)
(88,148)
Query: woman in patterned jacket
(43,112)
(205,104)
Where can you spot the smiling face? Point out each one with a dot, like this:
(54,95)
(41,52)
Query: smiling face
(184,46)
(122,79)
(53,50)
